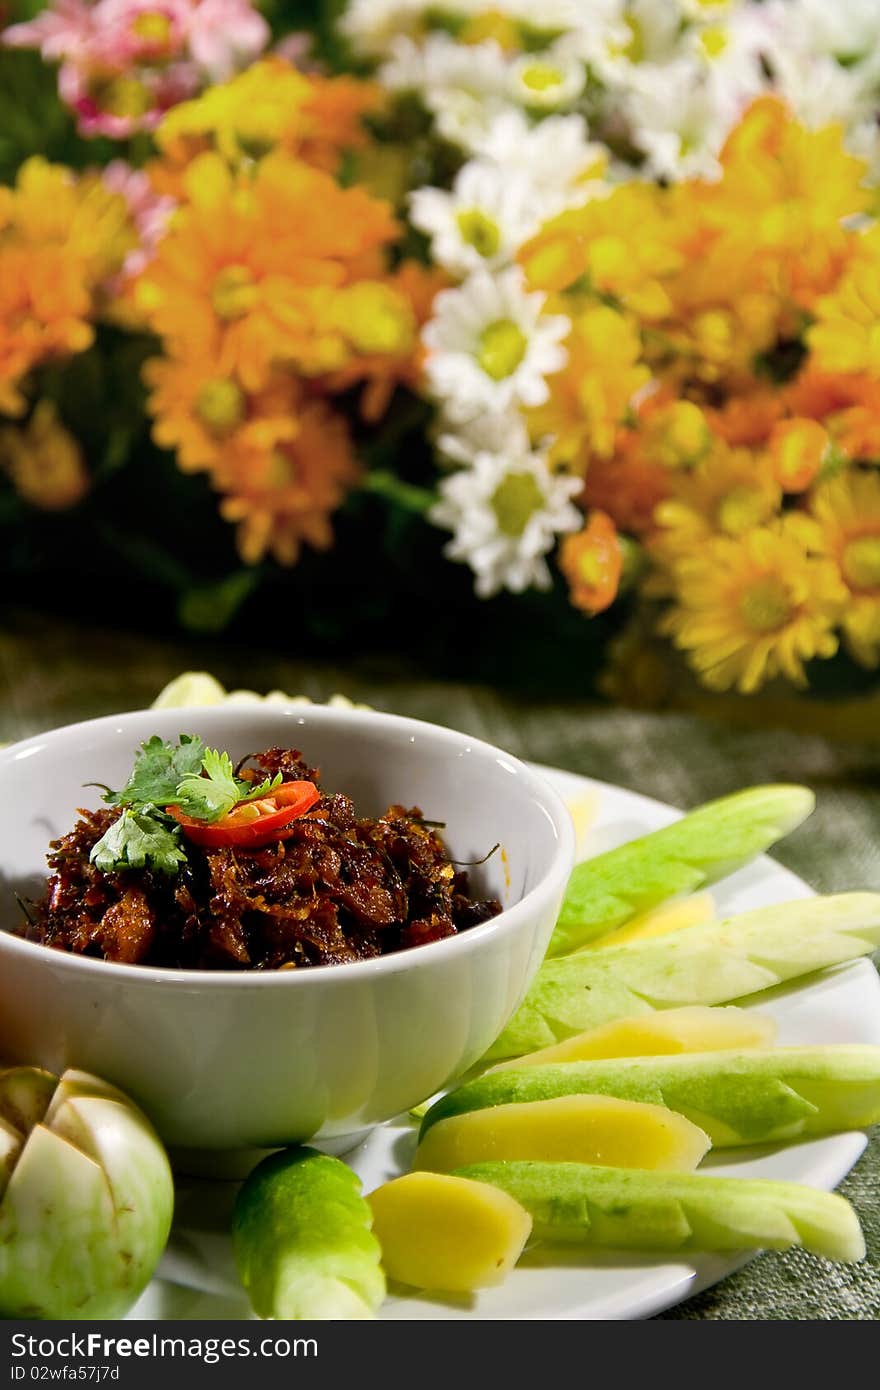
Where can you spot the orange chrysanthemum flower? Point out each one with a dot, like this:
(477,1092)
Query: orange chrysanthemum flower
(205,415)
(770,199)
(283,498)
(747,419)
(262,270)
(628,485)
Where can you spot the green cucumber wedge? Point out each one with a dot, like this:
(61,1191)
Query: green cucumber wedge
(630,1208)
(705,845)
(303,1242)
(713,963)
(736,1097)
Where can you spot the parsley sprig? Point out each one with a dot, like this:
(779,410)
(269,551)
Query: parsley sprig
(200,781)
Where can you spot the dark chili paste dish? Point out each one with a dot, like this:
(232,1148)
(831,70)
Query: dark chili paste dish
(199,865)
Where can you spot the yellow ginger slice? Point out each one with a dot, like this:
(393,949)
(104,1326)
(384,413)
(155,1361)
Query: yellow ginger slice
(693,1028)
(566,1129)
(440,1232)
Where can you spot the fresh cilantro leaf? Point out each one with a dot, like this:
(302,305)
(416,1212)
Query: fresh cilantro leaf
(252,793)
(159,768)
(210,796)
(139,839)
(213,794)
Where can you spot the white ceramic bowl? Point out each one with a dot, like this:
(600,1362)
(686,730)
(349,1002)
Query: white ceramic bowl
(224,1060)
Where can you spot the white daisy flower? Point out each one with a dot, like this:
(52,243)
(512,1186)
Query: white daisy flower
(679,119)
(505,513)
(489,345)
(463,85)
(501,433)
(848,30)
(732,50)
(623,35)
(552,17)
(440,63)
(556,154)
(371,25)
(710,10)
(462,118)
(547,80)
(483,221)
(820,91)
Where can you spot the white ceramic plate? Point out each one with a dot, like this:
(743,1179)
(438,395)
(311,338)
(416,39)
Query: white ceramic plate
(841,1005)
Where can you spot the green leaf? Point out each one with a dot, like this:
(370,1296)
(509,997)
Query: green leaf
(209,796)
(139,839)
(159,769)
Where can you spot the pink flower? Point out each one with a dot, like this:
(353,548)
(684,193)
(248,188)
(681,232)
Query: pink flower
(66,30)
(125,62)
(119,103)
(225,35)
(149,211)
(139,32)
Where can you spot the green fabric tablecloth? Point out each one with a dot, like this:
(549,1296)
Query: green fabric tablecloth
(52,673)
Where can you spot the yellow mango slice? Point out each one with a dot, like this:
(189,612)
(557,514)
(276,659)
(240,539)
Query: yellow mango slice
(440,1232)
(660,921)
(566,1129)
(693,1028)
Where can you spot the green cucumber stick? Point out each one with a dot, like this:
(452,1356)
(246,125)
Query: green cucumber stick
(699,849)
(302,1239)
(747,1096)
(712,963)
(631,1208)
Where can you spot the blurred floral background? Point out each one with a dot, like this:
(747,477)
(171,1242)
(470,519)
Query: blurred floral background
(540,343)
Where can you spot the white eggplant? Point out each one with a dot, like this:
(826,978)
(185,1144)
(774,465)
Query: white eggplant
(86,1197)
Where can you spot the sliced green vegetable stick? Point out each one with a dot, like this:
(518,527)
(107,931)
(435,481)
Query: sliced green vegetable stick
(709,964)
(702,847)
(635,1209)
(736,1097)
(302,1239)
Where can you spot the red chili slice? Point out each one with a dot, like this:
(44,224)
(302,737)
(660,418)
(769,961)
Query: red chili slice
(253,823)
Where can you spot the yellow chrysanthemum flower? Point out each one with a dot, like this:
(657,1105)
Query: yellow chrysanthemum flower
(51,206)
(44,461)
(60,238)
(285,497)
(269,106)
(626,245)
(590,397)
(751,607)
(848,510)
(846,335)
(729,492)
